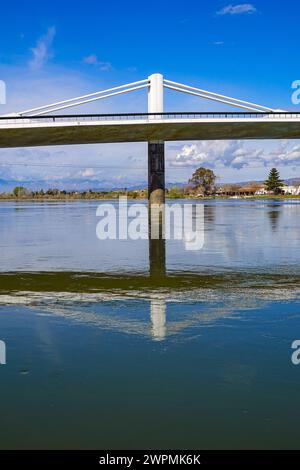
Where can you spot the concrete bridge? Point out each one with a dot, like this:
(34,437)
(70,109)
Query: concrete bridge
(42,126)
(146,127)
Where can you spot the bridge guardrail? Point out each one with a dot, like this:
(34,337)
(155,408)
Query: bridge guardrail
(144,116)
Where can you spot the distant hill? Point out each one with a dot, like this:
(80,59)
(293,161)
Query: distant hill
(76,185)
(294,181)
(66,184)
(102,185)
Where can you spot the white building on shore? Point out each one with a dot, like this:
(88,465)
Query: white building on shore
(286,189)
(292,190)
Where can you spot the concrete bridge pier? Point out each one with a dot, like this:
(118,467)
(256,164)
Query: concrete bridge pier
(156,173)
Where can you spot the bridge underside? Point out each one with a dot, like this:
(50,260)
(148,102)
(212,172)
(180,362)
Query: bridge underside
(66,133)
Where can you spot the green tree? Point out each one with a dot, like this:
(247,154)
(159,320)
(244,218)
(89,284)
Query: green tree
(274,183)
(175,193)
(204,178)
(19,191)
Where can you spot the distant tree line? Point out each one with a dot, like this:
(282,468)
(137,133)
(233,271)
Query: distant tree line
(201,183)
(21,192)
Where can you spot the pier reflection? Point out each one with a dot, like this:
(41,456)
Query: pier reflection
(157,242)
(158,317)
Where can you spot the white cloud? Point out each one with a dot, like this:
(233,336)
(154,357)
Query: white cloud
(42,51)
(236,154)
(286,153)
(87,173)
(92,59)
(237,9)
(212,153)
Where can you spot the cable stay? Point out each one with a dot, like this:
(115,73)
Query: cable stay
(155,85)
(216,97)
(80,100)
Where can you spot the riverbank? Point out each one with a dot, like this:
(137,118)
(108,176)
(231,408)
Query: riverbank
(110,195)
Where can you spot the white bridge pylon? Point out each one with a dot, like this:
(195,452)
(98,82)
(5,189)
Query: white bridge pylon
(155,85)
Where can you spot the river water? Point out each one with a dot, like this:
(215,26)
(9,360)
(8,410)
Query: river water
(100,353)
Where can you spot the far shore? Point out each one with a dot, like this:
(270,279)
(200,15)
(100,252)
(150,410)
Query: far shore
(108,197)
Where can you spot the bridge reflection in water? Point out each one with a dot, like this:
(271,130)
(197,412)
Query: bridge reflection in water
(98,299)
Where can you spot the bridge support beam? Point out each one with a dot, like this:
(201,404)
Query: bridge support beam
(156,172)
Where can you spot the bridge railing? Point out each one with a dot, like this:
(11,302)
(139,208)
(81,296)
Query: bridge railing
(10,119)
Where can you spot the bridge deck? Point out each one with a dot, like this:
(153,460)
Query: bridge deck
(89,129)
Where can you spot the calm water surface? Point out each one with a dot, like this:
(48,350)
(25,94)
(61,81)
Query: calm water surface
(102,355)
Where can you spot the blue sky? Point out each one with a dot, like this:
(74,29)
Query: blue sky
(56,50)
